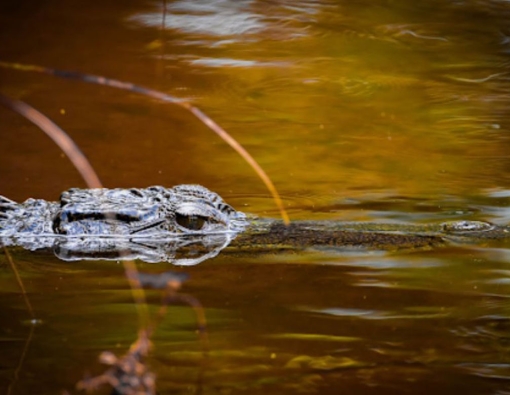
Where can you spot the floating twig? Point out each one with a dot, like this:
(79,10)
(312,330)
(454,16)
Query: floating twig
(200,115)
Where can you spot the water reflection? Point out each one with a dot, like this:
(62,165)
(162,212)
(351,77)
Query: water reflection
(226,22)
(129,374)
(385,315)
(425,84)
(414,31)
(223,62)
(180,251)
(363,111)
(216,18)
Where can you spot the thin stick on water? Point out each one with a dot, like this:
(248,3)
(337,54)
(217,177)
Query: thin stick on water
(20,283)
(200,115)
(88,174)
(28,341)
(137,292)
(60,138)
(33,322)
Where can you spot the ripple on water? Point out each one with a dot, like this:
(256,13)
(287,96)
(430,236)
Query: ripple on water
(426,34)
(483,332)
(406,314)
(499,371)
(298,206)
(229,62)
(231,21)
(214,18)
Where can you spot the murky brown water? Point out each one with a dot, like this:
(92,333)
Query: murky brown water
(381,111)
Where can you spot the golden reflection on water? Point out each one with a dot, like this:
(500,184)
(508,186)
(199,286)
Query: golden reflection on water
(381,111)
(335,96)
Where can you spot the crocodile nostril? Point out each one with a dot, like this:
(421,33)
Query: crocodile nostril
(136,192)
(191,222)
(466,226)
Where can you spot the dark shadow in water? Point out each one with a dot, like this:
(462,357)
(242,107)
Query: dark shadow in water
(129,374)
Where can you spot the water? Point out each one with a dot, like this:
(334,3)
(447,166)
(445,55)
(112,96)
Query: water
(361,111)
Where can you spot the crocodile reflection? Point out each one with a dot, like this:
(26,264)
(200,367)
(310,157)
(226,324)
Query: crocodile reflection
(188,224)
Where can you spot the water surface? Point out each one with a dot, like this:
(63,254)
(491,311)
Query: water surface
(385,111)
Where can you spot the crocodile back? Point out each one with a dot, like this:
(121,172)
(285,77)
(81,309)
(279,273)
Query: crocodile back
(32,217)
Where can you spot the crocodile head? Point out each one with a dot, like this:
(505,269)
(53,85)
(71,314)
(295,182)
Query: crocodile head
(196,209)
(153,211)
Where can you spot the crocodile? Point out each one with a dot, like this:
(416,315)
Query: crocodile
(188,224)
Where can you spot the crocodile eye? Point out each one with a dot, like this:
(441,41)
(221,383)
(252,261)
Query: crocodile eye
(191,222)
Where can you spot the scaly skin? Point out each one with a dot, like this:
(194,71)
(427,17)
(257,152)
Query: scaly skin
(167,224)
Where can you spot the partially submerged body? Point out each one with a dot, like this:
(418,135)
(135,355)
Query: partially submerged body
(188,224)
